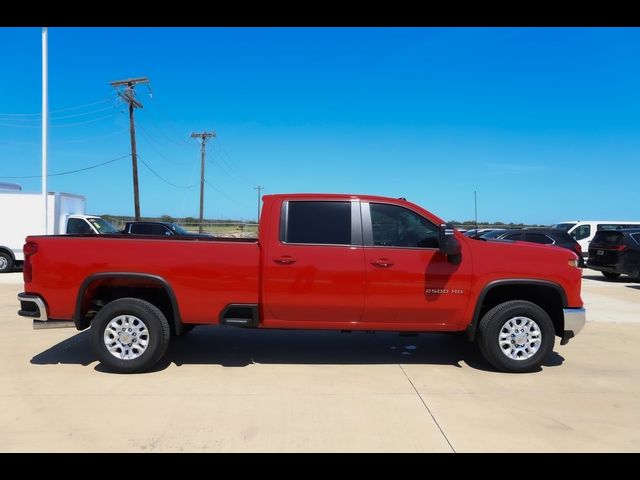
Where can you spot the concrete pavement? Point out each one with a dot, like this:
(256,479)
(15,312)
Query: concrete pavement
(233,390)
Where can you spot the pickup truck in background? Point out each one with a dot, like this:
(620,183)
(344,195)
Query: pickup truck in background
(22,214)
(322,261)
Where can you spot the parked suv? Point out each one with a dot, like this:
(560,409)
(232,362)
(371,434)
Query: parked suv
(159,228)
(545,236)
(615,253)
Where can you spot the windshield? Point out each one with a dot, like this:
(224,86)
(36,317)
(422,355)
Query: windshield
(178,229)
(564,226)
(102,226)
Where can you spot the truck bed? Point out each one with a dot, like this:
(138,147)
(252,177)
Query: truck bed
(205,275)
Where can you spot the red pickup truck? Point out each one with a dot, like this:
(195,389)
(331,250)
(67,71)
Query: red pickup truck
(321,261)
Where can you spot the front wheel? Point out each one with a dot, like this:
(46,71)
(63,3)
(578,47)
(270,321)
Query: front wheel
(130,335)
(610,275)
(516,336)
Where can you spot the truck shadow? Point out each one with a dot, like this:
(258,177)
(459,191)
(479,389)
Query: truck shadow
(235,347)
(601,278)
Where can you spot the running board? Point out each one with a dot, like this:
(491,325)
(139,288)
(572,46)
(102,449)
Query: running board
(238,322)
(39,324)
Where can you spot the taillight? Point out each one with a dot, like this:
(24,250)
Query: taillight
(577,249)
(30,248)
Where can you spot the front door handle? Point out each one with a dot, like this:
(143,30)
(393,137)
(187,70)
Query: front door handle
(382,262)
(284,260)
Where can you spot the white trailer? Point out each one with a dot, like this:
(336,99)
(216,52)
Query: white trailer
(21,215)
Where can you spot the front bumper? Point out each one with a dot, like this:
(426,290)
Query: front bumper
(574,320)
(33,306)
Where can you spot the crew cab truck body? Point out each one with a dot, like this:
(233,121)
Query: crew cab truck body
(343,262)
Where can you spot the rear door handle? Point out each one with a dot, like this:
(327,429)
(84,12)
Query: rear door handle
(382,262)
(284,260)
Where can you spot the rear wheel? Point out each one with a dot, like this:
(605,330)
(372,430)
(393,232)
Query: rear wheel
(610,275)
(516,336)
(130,335)
(6,262)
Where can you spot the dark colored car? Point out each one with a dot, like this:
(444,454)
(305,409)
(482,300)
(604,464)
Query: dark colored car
(480,232)
(159,228)
(615,253)
(545,236)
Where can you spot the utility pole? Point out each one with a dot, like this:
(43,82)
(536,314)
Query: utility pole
(45,125)
(259,189)
(204,136)
(128,95)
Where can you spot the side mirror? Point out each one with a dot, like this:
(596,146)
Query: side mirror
(448,243)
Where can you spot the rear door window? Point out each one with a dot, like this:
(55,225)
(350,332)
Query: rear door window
(325,223)
(513,236)
(141,229)
(159,230)
(538,238)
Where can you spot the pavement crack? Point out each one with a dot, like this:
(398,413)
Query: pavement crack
(428,410)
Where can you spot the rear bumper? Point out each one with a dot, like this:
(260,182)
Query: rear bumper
(574,320)
(33,306)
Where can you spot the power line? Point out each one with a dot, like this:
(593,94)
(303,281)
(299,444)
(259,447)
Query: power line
(221,192)
(89,139)
(182,142)
(93,120)
(75,115)
(164,179)
(169,124)
(231,165)
(55,111)
(69,172)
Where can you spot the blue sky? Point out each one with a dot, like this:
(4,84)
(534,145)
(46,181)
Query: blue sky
(543,123)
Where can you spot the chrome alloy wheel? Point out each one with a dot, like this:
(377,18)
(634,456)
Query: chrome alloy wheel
(520,338)
(126,337)
(3,263)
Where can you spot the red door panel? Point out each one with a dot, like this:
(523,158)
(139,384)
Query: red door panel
(417,287)
(409,283)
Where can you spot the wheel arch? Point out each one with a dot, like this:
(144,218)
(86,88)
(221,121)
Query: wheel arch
(548,295)
(8,251)
(131,283)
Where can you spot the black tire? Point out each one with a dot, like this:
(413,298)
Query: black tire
(610,275)
(491,325)
(153,319)
(6,262)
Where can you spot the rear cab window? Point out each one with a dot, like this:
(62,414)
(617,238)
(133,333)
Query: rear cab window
(317,223)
